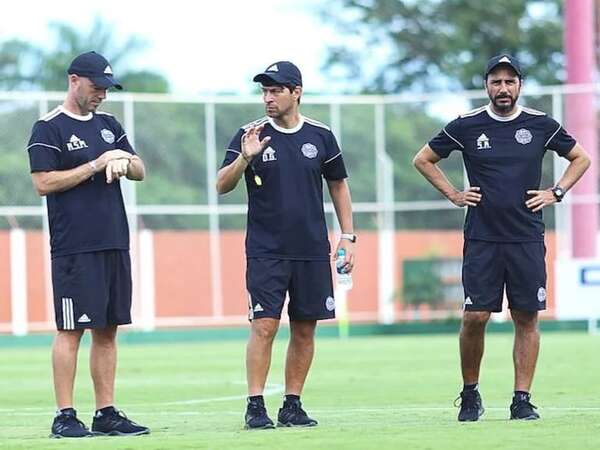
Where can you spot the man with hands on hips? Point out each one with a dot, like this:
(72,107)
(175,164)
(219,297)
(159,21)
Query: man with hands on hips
(502,145)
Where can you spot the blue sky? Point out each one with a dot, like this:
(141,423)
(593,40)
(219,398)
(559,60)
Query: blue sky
(201,46)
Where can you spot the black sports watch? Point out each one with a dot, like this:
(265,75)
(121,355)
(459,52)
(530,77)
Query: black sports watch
(558,192)
(351,237)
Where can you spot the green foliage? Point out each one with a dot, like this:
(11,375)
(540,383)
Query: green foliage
(422,282)
(26,66)
(432,44)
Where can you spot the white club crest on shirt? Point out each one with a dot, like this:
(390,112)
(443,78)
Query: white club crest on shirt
(523,136)
(483,142)
(269,155)
(309,150)
(107,135)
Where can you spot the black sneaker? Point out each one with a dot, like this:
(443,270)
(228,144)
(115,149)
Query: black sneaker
(115,423)
(256,416)
(292,415)
(67,425)
(522,409)
(471,407)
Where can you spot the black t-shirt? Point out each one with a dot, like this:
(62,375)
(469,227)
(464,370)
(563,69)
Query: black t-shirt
(90,216)
(286,219)
(503,156)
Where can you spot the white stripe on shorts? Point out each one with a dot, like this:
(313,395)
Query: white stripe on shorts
(67,310)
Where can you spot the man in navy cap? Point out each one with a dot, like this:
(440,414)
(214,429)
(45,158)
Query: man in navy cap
(77,156)
(502,146)
(284,158)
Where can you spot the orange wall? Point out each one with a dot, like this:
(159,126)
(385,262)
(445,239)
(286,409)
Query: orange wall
(5,309)
(183,277)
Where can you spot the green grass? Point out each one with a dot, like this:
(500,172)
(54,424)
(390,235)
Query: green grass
(367,393)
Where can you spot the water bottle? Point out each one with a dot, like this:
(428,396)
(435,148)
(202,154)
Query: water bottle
(344,280)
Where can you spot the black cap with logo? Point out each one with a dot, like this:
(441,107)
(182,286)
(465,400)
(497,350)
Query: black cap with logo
(281,72)
(94,66)
(503,59)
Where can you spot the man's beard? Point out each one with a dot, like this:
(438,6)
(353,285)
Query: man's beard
(504,107)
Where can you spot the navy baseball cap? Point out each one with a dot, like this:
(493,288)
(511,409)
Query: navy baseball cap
(505,59)
(281,72)
(94,66)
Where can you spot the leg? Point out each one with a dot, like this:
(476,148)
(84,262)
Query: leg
(472,344)
(258,353)
(64,365)
(299,355)
(103,364)
(526,347)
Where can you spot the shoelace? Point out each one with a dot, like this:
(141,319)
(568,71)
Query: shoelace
(471,400)
(296,407)
(523,402)
(64,418)
(257,408)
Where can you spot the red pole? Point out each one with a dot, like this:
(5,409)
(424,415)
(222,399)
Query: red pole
(581,119)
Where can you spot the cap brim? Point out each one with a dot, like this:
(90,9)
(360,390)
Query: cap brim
(106,82)
(506,64)
(271,77)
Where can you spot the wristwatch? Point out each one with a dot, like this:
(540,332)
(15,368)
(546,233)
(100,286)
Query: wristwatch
(558,192)
(351,237)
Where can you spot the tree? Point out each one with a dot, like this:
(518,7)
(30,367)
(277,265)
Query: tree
(442,44)
(26,66)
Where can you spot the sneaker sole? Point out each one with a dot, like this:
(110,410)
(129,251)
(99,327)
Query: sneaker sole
(292,425)
(525,418)
(59,436)
(119,433)
(264,427)
(473,420)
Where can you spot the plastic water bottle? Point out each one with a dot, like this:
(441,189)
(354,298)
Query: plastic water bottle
(344,280)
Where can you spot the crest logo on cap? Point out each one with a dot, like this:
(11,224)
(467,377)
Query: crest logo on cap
(273,68)
(108,70)
(505,59)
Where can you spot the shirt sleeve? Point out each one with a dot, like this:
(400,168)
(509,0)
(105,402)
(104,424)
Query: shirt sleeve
(447,140)
(558,139)
(333,167)
(44,148)
(121,140)
(234,149)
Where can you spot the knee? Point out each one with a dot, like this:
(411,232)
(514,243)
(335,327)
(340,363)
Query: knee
(263,331)
(526,322)
(475,320)
(105,337)
(304,332)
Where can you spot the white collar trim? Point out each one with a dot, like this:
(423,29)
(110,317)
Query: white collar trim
(88,116)
(287,130)
(495,116)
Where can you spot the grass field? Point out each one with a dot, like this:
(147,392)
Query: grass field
(367,393)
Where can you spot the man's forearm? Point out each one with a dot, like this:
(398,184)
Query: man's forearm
(436,177)
(62,180)
(228,176)
(342,202)
(136,170)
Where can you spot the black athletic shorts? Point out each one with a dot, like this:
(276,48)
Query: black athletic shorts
(490,266)
(92,290)
(308,283)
